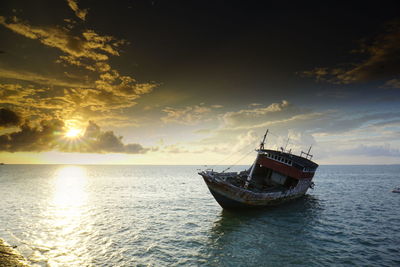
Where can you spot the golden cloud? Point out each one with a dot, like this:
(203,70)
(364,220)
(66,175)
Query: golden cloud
(40,79)
(189,115)
(49,135)
(80,13)
(15,94)
(36,104)
(88,45)
(101,94)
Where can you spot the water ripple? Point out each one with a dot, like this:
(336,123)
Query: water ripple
(165,216)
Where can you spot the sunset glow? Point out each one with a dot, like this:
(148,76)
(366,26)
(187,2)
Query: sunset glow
(139,90)
(73,133)
(140,132)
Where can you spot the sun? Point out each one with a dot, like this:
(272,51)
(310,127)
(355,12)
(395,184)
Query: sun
(73,133)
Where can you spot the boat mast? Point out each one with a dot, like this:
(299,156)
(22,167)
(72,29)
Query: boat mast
(263,141)
(255,162)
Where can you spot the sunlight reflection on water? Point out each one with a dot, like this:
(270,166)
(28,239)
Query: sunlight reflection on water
(165,216)
(63,218)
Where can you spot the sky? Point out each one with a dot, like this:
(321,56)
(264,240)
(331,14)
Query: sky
(198,82)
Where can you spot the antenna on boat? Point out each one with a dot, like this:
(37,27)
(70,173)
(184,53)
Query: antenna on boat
(287,142)
(307,154)
(263,141)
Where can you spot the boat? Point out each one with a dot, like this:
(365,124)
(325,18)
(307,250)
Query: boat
(396,190)
(276,176)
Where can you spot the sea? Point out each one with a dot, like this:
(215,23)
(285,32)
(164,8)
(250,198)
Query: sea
(108,215)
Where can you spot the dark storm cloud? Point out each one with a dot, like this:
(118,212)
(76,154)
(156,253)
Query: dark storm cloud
(49,135)
(8,118)
(28,138)
(99,141)
(382,63)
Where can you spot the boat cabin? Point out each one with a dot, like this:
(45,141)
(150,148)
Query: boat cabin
(276,170)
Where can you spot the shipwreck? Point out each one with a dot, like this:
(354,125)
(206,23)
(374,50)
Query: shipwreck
(276,176)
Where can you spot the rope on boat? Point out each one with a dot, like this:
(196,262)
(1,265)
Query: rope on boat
(224,159)
(236,152)
(238,161)
(231,155)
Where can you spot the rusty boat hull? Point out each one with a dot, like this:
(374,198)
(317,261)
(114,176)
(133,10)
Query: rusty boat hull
(230,196)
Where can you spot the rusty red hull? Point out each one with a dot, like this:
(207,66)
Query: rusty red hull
(229,196)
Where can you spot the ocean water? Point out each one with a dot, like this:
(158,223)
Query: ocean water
(65,215)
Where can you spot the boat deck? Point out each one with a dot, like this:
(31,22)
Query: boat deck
(239,181)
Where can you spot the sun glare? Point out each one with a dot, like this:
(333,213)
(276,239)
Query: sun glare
(73,133)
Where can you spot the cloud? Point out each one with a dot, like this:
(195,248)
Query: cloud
(373,150)
(95,100)
(303,137)
(246,126)
(98,141)
(112,92)
(338,122)
(326,130)
(189,115)
(22,75)
(324,74)
(88,45)
(35,103)
(186,148)
(333,134)
(15,94)
(80,13)
(382,62)
(286,116)
(175,149)
(394,83)
(28,138)
(124,86)
(102,94)
(100,66)
(253,116)
(9,118)
(49,135)
(246,139)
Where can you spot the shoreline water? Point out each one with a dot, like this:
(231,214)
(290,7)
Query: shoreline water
(11,257)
